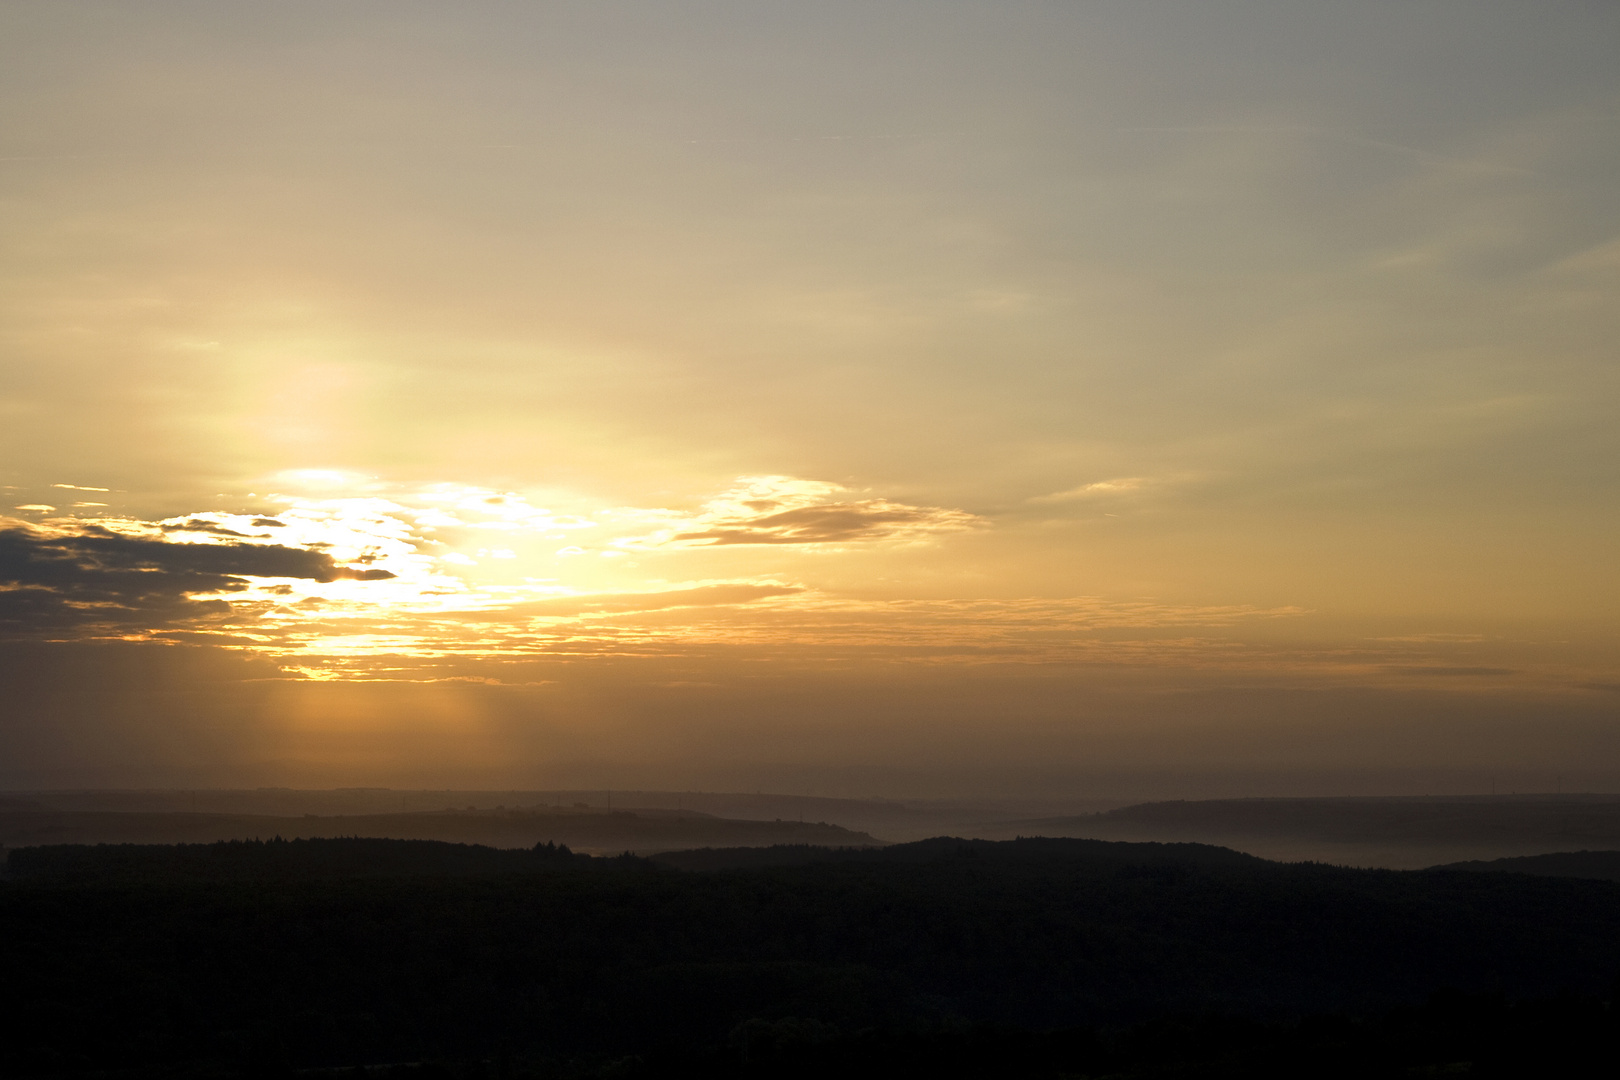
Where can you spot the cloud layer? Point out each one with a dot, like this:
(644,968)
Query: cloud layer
(414,570)
(781,510)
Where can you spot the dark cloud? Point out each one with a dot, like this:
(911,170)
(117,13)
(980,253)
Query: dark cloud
(56,581)
(203,525)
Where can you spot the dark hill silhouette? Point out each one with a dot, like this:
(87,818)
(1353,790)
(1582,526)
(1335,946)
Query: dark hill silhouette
(254,954)
(1414,819)
(292,860)
(278,860)
(588,829)
(1595,865)
(1024,849)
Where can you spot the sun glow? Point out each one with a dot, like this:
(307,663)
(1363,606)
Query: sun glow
(353,579)
(378,581)
(350,567)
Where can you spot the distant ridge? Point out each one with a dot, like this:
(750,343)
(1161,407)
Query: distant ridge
(1586,819)
(1594,865)
(590,829)
(1023,849)
(339,858)
(277,859)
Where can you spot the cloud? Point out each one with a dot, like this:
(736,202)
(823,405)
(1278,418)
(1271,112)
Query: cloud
(784,622)
(1101,488)
(566,607)
(55,578)
(784,510)
(262,581)
(1438,669)
(195,525)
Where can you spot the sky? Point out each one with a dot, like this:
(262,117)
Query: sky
(1063,398)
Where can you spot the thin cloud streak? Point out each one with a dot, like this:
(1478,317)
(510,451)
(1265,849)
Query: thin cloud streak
(1098,489)
(1345,137)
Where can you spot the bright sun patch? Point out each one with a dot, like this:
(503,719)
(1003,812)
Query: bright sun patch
(358,581)
(356,571)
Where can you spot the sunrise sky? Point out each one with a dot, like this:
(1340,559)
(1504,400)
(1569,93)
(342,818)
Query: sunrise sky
(907,398)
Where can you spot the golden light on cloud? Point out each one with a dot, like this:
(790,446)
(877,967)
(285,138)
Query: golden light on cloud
(343,576)
(367,569)
(1095,489)
(366,582)
(361,580)
(782,510)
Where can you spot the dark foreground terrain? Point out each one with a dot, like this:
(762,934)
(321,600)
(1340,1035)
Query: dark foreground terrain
(945,958)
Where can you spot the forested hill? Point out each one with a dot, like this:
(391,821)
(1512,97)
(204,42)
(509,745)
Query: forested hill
(590,829)
(1028,849)
(277,859)
(1598,865)
(546,956)
(319,859)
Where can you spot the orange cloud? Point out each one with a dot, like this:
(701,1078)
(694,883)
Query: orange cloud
(783,510)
